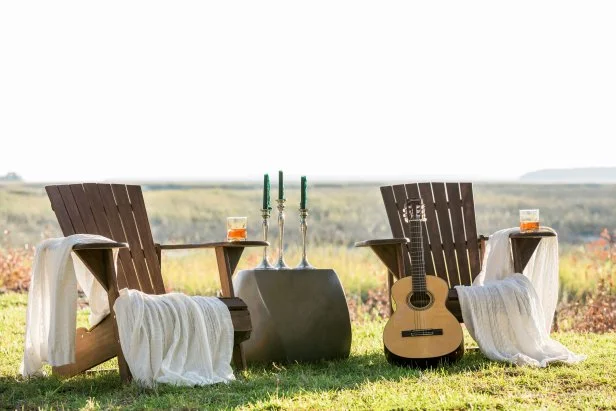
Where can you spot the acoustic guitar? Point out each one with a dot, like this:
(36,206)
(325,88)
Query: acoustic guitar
(421,332)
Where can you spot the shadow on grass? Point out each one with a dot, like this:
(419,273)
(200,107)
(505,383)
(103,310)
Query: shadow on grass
(259,384)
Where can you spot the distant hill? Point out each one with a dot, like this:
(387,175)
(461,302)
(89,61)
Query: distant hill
(11,176)
(572,175)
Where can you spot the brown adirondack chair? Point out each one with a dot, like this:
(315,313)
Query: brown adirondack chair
(453,250)
(118,212)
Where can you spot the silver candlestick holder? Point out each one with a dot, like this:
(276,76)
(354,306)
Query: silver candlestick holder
(265,264)
(303,227)
(281,265)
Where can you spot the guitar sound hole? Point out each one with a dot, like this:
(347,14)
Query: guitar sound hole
(420,300)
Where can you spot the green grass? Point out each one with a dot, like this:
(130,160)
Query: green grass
(364,381)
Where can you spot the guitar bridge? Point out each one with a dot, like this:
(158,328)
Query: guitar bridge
(422,332)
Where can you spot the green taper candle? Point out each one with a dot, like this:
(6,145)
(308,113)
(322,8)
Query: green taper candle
(266,192)
(304,192)
(280,186)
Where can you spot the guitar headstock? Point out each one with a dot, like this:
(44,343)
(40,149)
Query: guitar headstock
(414,210)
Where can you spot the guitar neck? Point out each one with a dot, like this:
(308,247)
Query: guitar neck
(418,267)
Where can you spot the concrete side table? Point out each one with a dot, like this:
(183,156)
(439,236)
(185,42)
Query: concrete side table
(297,315)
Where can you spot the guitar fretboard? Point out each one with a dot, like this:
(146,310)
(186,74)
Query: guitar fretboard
(418,268)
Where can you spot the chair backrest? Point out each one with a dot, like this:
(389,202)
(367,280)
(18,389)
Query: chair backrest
(451,248)
(116,211)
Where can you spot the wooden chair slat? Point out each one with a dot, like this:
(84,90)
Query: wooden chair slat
(57,205)
(460,240)
(400,199)
(444,221)
(470,226)
(145,234)
(435,264)
(117,232)
(401,195)
(104,227)
(395,222)
(98,210)
(132,237)
(71,208)
(85,210)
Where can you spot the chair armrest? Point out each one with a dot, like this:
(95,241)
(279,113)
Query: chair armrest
(231,244)
(536,234)
(389,251)
(99,246)
(95,257)
(382,241)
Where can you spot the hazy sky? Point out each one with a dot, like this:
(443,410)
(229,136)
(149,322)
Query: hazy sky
(234,89)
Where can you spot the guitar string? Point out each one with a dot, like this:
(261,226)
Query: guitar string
(413,265)
(421,268)
(418,270)
(419,279)
(416,286)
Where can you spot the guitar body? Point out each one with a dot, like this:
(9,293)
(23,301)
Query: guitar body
(421,332)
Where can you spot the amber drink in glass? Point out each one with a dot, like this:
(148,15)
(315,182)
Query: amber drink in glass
(529,220)
(236,228)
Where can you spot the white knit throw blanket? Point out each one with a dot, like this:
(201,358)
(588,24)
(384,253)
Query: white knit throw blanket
(510,314)
(175,339)
(169,339)
(52,299)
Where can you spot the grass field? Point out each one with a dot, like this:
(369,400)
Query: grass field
(364,381)
(340,213)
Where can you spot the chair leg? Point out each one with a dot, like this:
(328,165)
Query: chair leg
(125,374)
(227,259)
(390,283)
(239,359)
(399,274)
(112,294)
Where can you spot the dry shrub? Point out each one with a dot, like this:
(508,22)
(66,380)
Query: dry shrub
(597,314)
(371,307)
(596,310)
(15,264)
